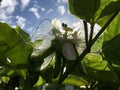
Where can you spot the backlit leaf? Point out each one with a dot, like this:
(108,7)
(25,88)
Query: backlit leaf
(18,51)
(92,10)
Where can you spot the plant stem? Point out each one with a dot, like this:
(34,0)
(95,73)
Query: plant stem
(62,69)
(91,33)
(90,37)
(86,32)
(104,27)
(93,85)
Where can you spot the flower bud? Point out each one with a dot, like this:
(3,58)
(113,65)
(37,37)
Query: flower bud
(69,51)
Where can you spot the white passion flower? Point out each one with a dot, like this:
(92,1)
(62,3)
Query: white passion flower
(56,26)
(69,51)
(67,36)
(56,23)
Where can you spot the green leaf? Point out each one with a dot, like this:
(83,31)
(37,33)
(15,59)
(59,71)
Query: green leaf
(111,50)
(31,79)
(51,86)
(39,82)
(112,7)
(75,80)
(112,30)
(3,47)
(3,60)
(25,36)
(7,72)
(98,69)
(108,77)
(18,51)
(102,21)
(15,49)
(94,61)
(92,10)
(7,69)
(111,41)
(84,9)
(19,54)
(5,79)
(96,48)
(103,86)
(58,67)
(45,72)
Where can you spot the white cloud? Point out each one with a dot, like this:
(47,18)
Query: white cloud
(4,15)
(30,30)
(7,8)
(35,1)
(62,1)
(58,1)
(8,5)
(78,24)
(65,1)
(68,12)
(24,3)
(49,11)
(61,9)
(35,11)
(21,21)
(43,9)
(36,6)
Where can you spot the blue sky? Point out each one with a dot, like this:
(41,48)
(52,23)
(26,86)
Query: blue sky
(28,13)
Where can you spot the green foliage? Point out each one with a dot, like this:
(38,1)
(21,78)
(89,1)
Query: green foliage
(75,80)
(18,50)
(84,9)
(97,67)
(58,65)
(15,51)
(112,30)
(93,10)
(112,54)
(52,86)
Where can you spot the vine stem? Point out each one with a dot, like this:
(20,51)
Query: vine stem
(39,26)
(91,32)
(62,69)
(86,32)
(86,50)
